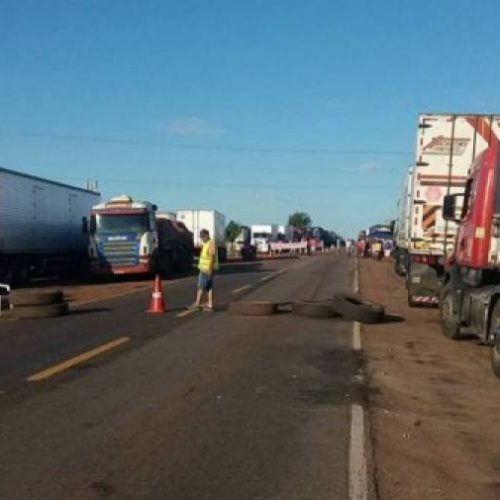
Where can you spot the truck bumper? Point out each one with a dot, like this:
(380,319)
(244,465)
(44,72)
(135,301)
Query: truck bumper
(119,271)
(423,285)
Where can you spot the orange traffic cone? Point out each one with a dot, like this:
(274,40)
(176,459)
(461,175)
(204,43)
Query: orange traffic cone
(157,305)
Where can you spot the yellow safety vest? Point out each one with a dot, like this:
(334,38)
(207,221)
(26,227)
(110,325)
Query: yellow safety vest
(204,262)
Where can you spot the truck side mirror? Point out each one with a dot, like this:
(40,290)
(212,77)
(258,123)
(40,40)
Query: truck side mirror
(452,211)
(85,225)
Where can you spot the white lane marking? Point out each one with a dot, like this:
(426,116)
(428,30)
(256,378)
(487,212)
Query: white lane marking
(356,336)
(185,313)
(273,275)
(358,488)
(241,288)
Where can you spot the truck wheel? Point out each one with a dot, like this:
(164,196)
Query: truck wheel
(448,312)
(495,357)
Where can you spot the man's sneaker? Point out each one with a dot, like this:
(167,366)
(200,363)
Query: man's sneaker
(207,308)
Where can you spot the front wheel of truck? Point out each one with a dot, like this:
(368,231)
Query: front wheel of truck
(494,329)
(448,311)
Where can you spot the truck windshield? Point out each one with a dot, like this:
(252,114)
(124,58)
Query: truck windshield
(261,235)
(131,223)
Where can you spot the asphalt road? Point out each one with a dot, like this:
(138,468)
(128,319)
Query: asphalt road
(207,406)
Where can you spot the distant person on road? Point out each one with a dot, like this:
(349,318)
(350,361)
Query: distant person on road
(388,249)
(348,246)
(207,266)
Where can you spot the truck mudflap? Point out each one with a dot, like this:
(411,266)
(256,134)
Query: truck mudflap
(423,285)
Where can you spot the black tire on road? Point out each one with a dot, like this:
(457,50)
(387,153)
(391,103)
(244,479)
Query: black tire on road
(27,298)
(355,308)
(314,309)
(44,311)
(5,303)
(449,315)
(495,350)
(254,307)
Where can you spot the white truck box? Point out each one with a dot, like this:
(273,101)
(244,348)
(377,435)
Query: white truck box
(211,220)
(447,145)
(39,216)
(402,227)
(262,235)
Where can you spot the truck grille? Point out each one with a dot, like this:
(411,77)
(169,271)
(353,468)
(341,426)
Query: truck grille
(119,253)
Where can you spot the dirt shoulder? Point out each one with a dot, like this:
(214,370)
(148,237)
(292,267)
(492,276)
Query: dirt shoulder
(433,403)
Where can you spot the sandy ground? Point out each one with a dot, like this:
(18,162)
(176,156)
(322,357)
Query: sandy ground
(433,402)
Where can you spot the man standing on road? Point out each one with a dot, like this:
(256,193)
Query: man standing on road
(207,265)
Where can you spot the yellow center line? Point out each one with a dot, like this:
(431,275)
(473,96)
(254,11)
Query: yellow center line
(241,288)
(81,358)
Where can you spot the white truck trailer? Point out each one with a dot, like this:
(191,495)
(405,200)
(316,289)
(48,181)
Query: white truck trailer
(41,226)
(263,235)
(402,225)
(211,220)
(447,145)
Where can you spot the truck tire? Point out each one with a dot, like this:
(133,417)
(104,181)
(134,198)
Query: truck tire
(45,311)
(254,307)
(449,315)
(495,350)
(24,298)
(314,309)
(355,308)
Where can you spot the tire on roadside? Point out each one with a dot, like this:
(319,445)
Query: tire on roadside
(355,308)
(254,307)
(43,311)
(27,298)
(448,314)
(314,309)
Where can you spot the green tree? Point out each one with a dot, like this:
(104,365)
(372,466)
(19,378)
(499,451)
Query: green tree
(232,230)
(299,220)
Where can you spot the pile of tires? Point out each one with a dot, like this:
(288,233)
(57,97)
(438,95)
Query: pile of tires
(34,304)
(350,307)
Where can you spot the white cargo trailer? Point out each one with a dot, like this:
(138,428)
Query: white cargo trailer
(263,235)
(40,225)
(211,220)
(447,145)
(402,224)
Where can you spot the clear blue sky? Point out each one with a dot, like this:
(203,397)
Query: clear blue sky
(256,108)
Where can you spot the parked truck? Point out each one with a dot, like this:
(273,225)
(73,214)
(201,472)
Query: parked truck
(263,235)
(211,220)
(243,244)
(402,226)
(130,237)
(40,226)
(447,144)
(470,298)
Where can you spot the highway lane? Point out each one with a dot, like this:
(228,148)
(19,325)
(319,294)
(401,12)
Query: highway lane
(27,347)
(223,407)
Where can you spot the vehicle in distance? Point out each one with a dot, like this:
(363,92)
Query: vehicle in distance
(211,220)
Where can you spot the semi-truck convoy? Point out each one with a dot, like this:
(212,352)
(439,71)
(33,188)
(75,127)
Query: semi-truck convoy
(470,298)
(40,226)
(447,145)
(130,237)
(211,220)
